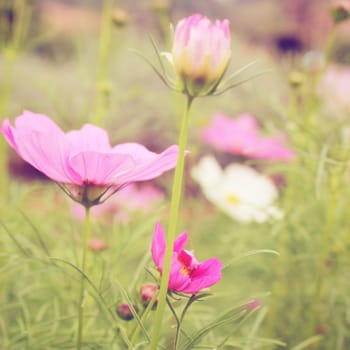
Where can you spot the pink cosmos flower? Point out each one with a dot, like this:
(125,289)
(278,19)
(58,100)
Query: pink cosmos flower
(187,275)
(82,161)
(242,138)
(201,53)
(130,199)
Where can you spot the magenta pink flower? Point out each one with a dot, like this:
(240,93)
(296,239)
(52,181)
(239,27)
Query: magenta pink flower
(242,137)
(201,53)
(187,275)
(82,161)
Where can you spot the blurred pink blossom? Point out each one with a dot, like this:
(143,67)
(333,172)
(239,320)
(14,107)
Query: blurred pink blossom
(201,53)
(334,87)
(242,137)
(187,275)
(83,161)
(97,245)
(129,200)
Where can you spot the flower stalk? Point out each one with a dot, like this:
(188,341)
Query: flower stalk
(103,86)
(86,235)
(174,213)
(22,18)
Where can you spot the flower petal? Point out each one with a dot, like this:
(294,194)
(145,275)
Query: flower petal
(180,242)
(179,280)
(207,274)
(99,168)
(158,246)
(40,142)
(148,164)
(88,138)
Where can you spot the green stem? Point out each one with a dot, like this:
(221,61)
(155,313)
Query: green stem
(325,251)
(179,321)
(103,88)
(86,235)
(22,19)
(137,328)
(174,213)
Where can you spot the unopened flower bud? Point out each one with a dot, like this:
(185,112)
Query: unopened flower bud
(340,11)
(147,292)
(124,312)
(201,53)
(296,79)
(253,304)
(321,329)
(120,18)
(97,245)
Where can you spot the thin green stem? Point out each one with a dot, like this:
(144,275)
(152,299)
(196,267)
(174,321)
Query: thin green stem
(86,235)
(137,328)
(179,321)
(174,213)
(22,19)
(103,88)
(323,268)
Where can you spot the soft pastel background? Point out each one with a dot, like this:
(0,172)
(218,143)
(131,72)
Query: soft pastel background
(53,61)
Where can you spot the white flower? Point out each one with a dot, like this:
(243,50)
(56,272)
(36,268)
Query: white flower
(240,191)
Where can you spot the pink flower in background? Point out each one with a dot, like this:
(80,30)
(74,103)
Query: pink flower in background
(83,161)
(242,137)
(201,53)
(187,275)
(97,245)
(334,87)
(130,199)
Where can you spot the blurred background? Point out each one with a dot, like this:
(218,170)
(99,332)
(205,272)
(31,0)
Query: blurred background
(57,57)
(86,61)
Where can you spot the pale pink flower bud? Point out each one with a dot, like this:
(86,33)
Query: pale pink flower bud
(252,305)
(201,53)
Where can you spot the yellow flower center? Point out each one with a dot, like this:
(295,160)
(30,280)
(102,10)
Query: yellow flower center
(185,271)
(231,198)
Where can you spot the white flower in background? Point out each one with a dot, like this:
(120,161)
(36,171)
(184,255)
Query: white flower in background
(238,190)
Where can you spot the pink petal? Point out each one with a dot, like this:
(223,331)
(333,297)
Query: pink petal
(8,132)
(242,137)
(148,164)
(36,122)
(180,242)
(158,246)
(207,274)
(40,142)
(88,138)
(178,279)
(99,168)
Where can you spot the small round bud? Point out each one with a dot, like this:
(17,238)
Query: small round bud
(124,312)
(321,329)
(160,6)
(120,18)
(97,245)
(296,79)
(340,11)
(147,292)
